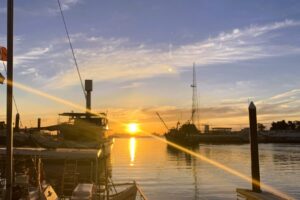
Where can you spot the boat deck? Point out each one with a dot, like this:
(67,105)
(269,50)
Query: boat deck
(59,153)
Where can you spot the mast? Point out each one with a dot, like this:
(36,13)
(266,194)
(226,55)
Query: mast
(9,100)
(161,119)
(195,116)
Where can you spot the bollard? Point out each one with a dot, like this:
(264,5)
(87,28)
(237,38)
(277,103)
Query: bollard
(254,149)
(17,123)
(39,123)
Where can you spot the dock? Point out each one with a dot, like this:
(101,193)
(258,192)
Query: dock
(249,194)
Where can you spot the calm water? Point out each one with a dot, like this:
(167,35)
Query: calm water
(165,173)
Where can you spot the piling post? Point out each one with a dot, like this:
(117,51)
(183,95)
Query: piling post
(254,149)
(9,100)
(39,123)
(88,89)
(17,123)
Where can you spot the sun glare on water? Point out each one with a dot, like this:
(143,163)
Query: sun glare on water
(132,128)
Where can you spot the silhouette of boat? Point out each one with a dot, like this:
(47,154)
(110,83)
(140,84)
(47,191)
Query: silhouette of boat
(83,126)
(187,133)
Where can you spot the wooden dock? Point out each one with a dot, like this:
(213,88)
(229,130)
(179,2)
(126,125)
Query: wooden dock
(249,194)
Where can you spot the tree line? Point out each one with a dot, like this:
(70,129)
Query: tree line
(281,125)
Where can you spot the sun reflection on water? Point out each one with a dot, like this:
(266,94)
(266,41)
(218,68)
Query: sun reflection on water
(132,148)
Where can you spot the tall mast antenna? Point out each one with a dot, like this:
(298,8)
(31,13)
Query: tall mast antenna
(195,115)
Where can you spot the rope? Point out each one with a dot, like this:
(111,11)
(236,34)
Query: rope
(71,46)
(14,100)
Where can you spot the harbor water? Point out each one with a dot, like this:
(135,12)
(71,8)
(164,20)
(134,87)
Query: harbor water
(167,173)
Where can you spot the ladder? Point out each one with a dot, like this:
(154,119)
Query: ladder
(69,178)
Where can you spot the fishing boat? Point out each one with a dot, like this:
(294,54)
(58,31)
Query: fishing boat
(81,129)
(187,133)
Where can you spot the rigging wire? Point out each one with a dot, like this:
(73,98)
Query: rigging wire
(71,46)
(14,100)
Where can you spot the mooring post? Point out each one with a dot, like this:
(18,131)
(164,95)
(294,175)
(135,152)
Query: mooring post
(39,123)
(88,89)
(9,100)
(254,149)
(17,123)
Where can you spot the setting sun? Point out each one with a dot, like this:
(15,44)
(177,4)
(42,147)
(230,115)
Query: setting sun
(132,128)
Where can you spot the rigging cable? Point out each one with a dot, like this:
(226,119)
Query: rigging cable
(15,103)
(71,46)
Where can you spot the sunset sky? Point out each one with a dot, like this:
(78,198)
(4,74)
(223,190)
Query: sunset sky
(140,55)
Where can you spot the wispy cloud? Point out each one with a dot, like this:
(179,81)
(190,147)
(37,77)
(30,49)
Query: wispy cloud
(28,71)
(285,105)
(33,54)
(66,4)
(285,95)
(119,59)
(132,85)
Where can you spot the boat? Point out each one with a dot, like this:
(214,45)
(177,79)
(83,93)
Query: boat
(187,133)
(85,175)
(81,130)
(84,127)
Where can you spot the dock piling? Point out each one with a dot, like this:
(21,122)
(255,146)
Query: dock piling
(17,123)
(254,149)
(9,100)
(39,123)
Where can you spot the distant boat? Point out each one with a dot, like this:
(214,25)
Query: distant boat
(187,133)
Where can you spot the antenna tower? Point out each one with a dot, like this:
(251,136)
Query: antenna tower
(195,115)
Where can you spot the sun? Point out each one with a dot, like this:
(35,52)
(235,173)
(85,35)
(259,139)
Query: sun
(132,128)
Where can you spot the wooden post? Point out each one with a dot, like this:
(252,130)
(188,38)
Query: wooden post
(254,149)
(106,171)
(39,123)
(88,89)
(9,100)
(17,123)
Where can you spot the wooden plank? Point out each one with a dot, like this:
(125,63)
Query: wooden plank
(249,194)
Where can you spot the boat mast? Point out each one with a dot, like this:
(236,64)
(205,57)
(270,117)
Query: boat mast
(195,115)
(9,100)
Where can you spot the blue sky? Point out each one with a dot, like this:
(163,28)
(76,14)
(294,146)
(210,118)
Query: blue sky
(140,56)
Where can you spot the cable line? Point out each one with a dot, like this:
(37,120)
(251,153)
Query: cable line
(71,46)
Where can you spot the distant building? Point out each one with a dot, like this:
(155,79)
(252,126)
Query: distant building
(206,128)
(221,130)
(245,130)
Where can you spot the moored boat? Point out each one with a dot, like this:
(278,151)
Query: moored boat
(187,133)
